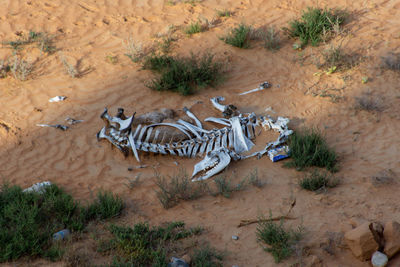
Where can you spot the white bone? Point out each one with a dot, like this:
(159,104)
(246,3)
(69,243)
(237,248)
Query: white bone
(191,115)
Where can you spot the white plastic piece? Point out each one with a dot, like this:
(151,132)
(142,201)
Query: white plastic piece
(38,187)
(57,99)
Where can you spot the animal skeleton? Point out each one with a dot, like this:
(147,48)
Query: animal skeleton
(220,145)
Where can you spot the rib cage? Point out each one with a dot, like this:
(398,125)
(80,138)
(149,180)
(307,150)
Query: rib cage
(192,139)
(198,140)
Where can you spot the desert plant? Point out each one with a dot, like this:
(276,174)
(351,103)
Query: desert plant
(279,240)
(207,256)
(44,41)
(20,68)
(314,23)
(145,246)
(195,27)
(179,187)
(317,181)
(309,148)
(69,68)
(271,39)
(184,74)
(392,61)
(28,219)
(225,188)
(239,36)
(107,205)
(134,51)
(224,13)
(368,103)
(254,180)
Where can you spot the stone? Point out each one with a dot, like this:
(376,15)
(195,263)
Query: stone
(379,259)
(187,258)
(361,241)
(314,261)
(235,237)
(391,234)
(176,262)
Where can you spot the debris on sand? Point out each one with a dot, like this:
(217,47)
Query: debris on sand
(57,99)
(57,126)
(261,87)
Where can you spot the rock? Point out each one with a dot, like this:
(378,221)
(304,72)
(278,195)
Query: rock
(379,259)
(391,233)
(187,258)
(361,241)
(314,261)
(235,237)
(176,262)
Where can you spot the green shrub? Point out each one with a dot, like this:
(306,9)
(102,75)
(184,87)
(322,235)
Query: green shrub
(316,181)
(225,188)
(224,13)
(107,205)
(314,23)
(239,36)
(280,240)
(207,256)
(193,28)
(29,219)
(184,74)
(309,148)
(145,246)
(179,187)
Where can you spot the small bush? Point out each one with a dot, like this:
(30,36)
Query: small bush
(107,205)
(207,257)
(317,181)
(180,187)
(43,40)
(71,70)
(281,241)
(314,24)
(225,188)
(184,75)
(195,27)
(254,180)
(21,69)
(145,246)
(271,39)
(392,61)
(224,13)
(239,36)
(368,103)
(308,148)
(28,220)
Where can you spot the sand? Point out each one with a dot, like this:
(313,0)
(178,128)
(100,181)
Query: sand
(89,31)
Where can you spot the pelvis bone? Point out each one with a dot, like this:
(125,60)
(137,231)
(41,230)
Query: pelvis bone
(188,138)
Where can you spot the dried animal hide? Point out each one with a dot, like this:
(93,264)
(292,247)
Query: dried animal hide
(155,132)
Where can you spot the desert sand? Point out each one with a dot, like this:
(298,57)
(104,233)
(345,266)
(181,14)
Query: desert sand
(88,31)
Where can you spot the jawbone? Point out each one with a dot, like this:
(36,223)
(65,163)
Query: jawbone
(213,163)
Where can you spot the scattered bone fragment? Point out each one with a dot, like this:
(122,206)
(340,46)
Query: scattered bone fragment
(38,187)
(261,87)
(72,121)
(57,99)
(57,126)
